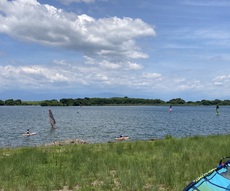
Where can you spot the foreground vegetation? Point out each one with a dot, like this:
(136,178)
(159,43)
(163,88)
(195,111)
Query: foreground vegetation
(157,165)
(112,101)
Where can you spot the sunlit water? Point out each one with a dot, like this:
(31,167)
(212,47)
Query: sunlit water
(98,124)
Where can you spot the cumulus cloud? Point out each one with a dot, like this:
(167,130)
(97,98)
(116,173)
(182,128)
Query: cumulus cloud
(28,20)
(72,77)
(108,45)
(30,75)
(65,74)
(223,80)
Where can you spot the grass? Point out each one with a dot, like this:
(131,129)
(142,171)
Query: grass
(169,164)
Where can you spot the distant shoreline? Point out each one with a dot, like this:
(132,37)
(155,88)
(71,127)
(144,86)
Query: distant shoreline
(114,101)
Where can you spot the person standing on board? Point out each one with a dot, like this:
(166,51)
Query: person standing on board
(217,109)
(170,108)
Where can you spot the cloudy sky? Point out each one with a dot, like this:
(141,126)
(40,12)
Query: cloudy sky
(159,49)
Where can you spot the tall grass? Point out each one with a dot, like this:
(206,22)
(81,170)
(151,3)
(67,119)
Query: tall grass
(168,164)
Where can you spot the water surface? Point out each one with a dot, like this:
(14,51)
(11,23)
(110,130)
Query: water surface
(98,124)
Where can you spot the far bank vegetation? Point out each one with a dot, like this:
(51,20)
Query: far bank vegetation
(111,101)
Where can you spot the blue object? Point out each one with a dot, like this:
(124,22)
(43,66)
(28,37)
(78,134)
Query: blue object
(217,179)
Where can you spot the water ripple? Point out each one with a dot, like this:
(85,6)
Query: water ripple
(102,124)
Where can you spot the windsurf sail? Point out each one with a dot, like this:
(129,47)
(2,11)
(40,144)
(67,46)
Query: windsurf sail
(217,179)
(51,118)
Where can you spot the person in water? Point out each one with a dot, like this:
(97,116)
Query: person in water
(28,131)
(217,109)
(170,108)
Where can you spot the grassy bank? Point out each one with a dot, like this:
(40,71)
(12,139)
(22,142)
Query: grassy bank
(168,164)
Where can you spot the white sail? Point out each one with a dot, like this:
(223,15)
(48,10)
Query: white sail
(51,118)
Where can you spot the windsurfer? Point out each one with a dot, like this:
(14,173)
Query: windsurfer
(51,118)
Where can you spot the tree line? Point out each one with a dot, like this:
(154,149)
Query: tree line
(111,101)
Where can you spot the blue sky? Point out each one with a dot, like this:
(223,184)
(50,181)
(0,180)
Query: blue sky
(159,49)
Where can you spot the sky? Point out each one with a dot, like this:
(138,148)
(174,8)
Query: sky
(153,49)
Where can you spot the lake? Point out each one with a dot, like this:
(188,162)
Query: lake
(99,124)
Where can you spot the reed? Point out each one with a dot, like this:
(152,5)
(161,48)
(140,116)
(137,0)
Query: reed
(168,164)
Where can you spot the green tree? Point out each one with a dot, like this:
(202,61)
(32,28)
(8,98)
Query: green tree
(9,102)
(177,101)
(206,102)
(18,102)
(2,102)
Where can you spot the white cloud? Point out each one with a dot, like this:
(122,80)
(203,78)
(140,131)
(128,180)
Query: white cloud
(90,75)
(22,76)
(65,75)
(108,46)
(223,80)
(46,25)
(151,75)
(134,66)
(109,65)
(117,65)
(189,85)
